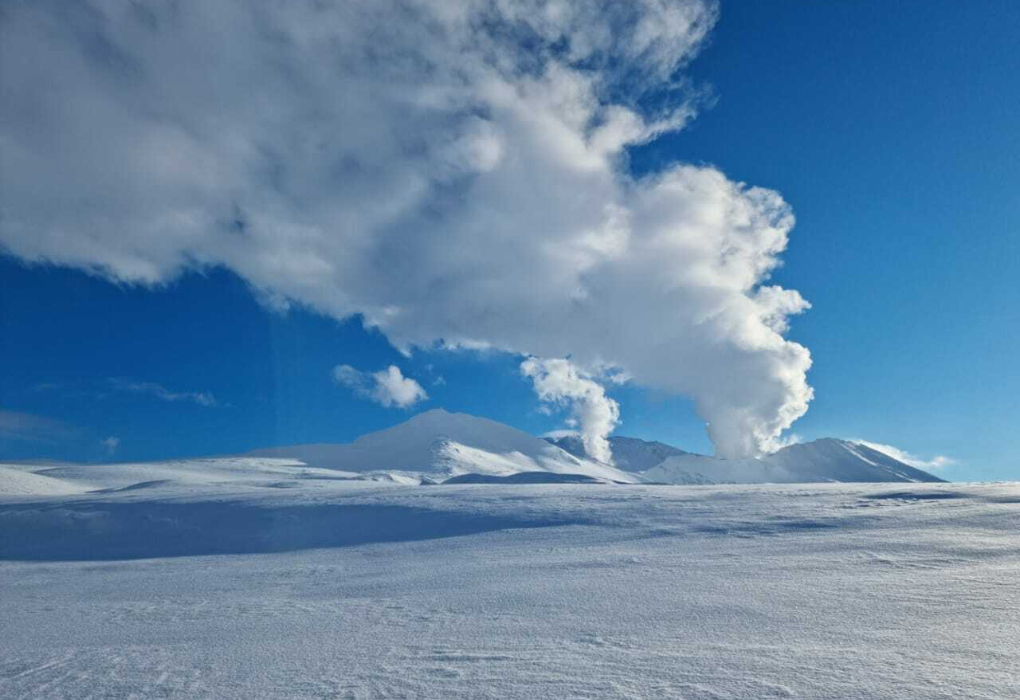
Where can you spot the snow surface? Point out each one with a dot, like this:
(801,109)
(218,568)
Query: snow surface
(33,481)
(439,444)
(264,578)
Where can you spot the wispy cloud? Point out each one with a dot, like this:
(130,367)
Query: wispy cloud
(437,379)
(933,464)
(46,386)
(15,425)
(563,433)
(202,398)
(110,444)
(387,387)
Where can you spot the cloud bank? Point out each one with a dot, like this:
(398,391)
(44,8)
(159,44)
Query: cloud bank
(456,172)
(387,387)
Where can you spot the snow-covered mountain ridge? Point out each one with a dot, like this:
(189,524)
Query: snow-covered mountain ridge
(824,460)
(438,445)
(435,446)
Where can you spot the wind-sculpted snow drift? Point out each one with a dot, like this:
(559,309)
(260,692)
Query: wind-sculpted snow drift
(455,172)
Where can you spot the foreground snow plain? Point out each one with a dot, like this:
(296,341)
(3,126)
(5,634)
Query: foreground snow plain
(259,578)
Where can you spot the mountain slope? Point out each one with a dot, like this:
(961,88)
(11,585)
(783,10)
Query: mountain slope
(441,444)
(825,460)
(843,460)
(629,454)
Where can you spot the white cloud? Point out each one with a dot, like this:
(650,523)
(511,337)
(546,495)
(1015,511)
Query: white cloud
(557,434)
(110,444)
(202,398)
(934,464)
(450,170)
(387,387)
(558,381)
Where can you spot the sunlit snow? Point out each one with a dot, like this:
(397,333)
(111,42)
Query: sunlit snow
(267,578)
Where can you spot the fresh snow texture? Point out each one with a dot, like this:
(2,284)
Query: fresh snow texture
(262,578)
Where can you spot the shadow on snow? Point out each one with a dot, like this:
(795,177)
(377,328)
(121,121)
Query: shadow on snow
(144,529)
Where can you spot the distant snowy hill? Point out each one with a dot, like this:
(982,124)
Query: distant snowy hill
(825,460)
(439,445)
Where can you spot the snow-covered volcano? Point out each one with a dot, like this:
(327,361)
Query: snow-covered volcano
(825,460)
(439,444)
(822,460)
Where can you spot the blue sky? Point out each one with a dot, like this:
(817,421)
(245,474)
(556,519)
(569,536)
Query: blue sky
(890,131)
